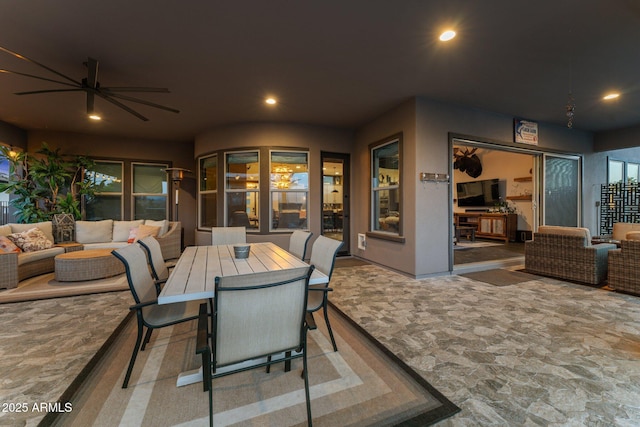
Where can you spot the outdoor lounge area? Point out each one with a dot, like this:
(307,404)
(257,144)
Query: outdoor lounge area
(355,213)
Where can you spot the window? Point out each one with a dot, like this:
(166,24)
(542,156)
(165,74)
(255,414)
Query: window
(385,187)
(243,190)
(107,202)
(633,172)
(208,190)
(150,191)
(289,190)
(619,171)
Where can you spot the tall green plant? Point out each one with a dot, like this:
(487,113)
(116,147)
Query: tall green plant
(46,184)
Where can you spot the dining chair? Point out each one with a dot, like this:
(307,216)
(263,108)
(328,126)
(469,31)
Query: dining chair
(323,257)
(298,243)
(239,219)
(228,235)
(149,313)
(157,265)
(255,316)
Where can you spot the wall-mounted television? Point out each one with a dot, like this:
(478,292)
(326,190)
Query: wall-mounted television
(478,193)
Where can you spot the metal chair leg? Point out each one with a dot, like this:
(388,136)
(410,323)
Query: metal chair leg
(134,355)
(326,319)
(147,337)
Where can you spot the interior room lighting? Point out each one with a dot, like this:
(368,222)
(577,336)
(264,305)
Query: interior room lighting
(447,35)
(95,117)
(271,101)
(611,96)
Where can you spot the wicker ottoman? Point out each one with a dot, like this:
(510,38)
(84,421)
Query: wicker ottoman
(87,265)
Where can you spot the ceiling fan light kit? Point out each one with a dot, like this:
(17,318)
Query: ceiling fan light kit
(91,86)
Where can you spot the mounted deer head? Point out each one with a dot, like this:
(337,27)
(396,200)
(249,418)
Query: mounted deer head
(467,161)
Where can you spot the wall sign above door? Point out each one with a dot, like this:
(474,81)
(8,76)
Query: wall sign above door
(525,131)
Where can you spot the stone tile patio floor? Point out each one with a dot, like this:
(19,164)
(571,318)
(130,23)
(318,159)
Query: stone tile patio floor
(538,353)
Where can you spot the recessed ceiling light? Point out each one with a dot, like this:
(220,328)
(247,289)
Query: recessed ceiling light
(611,96)
(447,35)
(271,101)
(95,117)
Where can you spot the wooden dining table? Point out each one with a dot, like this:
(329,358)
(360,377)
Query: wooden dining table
(194,275)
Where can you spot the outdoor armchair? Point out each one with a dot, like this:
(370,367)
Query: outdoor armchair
(298,243)
(157,265)
(323,257)
(255,316)
(149,313)
(228,235)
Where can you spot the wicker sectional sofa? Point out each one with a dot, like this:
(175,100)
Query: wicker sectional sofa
(623,264)
(567,253)
(15,267)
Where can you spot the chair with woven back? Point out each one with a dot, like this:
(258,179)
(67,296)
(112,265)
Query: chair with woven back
(298,243)
(255,316)
(149,313)
(228,235)
(323,257)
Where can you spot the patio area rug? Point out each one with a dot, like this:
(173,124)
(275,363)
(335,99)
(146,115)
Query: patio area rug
(45,286)
(500,277)
(358,385)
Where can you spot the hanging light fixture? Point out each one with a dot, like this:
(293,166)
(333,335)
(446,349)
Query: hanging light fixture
(571,109)
(571,103)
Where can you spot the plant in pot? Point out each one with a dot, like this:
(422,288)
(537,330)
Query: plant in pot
(46,183)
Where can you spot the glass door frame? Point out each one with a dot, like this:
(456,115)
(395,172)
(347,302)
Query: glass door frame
(345,159)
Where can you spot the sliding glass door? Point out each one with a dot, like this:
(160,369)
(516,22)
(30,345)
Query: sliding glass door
(561,190)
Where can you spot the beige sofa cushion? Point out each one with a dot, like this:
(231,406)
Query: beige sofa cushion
(566,231)
(632,235)
(94,231)
(620,229)
(121,229)
(45,226)
(27,257)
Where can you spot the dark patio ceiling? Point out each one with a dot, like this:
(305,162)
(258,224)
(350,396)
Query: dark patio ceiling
(330,63)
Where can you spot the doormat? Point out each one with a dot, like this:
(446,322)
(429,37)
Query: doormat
(500,277)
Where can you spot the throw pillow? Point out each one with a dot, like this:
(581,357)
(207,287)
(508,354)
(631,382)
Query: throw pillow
(7,245)
(133,233)
(122,229)
(163,224)
(147,230)
(31,240)
(141,232)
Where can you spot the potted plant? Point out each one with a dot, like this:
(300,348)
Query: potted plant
(46,183)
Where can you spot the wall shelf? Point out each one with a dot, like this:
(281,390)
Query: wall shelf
(523,179)
(523,197)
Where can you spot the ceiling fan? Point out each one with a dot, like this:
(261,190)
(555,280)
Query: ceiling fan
(92,87)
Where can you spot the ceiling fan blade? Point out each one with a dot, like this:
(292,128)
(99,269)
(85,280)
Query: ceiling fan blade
(142,101)
(92,73)
(135,89)
(37,77)
(121,105)
(24,58)
(90,102)
(33,92)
